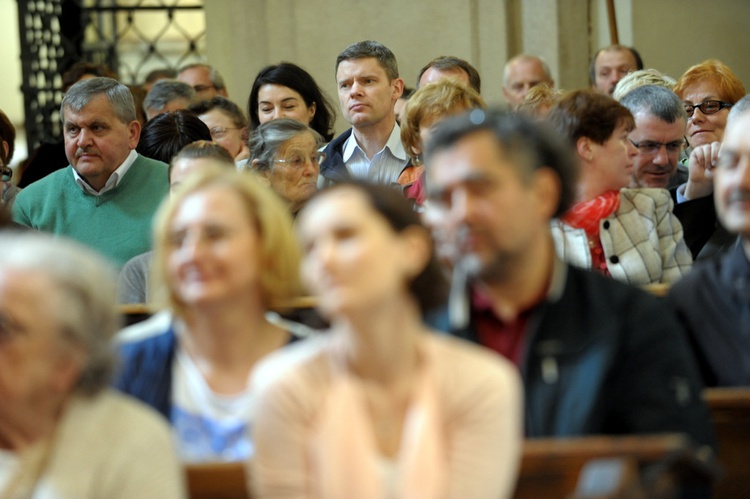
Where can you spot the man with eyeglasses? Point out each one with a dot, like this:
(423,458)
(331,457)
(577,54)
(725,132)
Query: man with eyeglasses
(205,80)
(659,136)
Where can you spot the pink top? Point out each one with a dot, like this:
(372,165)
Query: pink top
(462,434)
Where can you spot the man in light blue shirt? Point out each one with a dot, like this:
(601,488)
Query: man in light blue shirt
(368,87)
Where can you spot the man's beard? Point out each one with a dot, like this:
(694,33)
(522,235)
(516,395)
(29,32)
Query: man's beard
(496,270)
(466,270)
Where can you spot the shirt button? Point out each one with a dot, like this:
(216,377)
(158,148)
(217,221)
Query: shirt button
(614,259)
(606,224)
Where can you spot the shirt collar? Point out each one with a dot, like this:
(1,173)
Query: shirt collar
(394,145)
(461,303)
(113,180)
(350,146)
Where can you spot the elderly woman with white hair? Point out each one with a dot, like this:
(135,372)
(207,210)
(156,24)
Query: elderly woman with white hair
(63,433)
(284,153)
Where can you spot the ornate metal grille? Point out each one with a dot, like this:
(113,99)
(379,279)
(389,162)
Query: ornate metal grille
(131,37)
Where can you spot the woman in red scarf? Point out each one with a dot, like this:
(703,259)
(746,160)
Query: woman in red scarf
(629,234)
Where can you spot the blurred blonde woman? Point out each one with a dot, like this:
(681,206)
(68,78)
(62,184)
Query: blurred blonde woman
(426,107)
(225,253)
(640,78)
(539,100)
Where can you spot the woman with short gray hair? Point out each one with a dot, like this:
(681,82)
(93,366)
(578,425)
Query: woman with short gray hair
(284,153)
(63,433)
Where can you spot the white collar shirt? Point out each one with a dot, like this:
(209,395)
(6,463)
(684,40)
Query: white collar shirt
(385,167)
(113,180)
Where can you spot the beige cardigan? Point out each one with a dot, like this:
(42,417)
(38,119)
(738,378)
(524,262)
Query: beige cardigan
(642,240)
(108,445)
(462,435)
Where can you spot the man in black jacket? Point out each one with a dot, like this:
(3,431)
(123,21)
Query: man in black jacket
(596,356)
(714,298)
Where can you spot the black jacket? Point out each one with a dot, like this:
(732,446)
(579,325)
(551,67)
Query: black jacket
(602,357)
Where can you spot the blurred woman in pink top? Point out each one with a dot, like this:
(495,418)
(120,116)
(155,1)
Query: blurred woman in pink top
(381,406)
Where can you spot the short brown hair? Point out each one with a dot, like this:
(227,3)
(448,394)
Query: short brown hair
(586,113)
(728,86)
(432,102)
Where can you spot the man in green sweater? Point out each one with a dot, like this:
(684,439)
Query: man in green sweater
(108,194)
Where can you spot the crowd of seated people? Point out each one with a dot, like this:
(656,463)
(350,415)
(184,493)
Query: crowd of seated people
(479,271)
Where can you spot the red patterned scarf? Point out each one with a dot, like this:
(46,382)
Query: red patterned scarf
(588,216)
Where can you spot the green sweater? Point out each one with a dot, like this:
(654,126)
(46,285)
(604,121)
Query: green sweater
(117,223)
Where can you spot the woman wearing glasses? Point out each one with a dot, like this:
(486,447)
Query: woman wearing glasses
(708,90)
(227,124)
(629,234)
(284,153)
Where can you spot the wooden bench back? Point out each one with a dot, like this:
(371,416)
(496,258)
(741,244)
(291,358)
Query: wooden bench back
(549,467)
(730,413)
(217,481)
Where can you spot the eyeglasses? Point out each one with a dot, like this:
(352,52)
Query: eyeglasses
(706,107)
(300,160)
(219,132)
(202,88)
(651,147)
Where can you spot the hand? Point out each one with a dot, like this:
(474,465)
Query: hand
(701,164)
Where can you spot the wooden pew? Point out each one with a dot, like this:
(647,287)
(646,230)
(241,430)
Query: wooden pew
(301,309)
(730,413)
(134,313)
(217,481)
(551,468)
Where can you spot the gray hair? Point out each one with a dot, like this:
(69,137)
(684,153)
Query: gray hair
(118,95)
(369,48)
(82,298)
(165,91)
(526,58)
(213,73)
(268,138)
(639,78)
(656,100)
(738,108)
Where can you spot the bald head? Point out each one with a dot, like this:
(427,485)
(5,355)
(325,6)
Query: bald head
(520,74)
